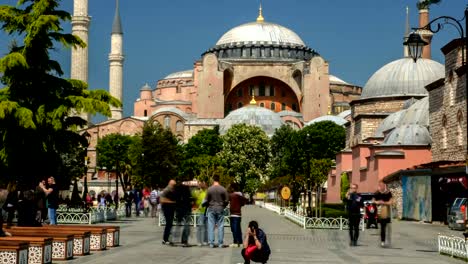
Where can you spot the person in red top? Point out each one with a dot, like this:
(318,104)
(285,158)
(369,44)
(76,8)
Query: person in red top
(236,201)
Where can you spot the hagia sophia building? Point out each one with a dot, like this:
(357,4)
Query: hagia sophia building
(406,126)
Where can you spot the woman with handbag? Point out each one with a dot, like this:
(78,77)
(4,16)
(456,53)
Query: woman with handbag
(383,199)
(256,247)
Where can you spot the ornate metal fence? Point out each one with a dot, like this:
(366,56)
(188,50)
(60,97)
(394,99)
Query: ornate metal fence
(86,216)
(453,246)
(193,220)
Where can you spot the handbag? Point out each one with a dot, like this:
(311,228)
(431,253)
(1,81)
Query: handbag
(250,250)
(383,211)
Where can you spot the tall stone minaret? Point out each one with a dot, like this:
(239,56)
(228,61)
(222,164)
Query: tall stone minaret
(407,32)
(116,59)
(79,56)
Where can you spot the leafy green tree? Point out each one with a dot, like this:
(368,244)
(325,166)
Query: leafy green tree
(344,185)
(200,161)
(160,155)
(38,107)
(246,155)
(114,154)
(319,169)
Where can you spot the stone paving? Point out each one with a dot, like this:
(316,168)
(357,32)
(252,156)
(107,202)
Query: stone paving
(411,243)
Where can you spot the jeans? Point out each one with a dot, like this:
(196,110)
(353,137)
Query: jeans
(215,218)
(383,228)
(354,221)
(202,234)
(168,211)
(52,216)
(154,209)
(236,229)
(183,222)
(128,209)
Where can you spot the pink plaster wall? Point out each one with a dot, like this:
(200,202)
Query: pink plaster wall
(343,164)
(359,154)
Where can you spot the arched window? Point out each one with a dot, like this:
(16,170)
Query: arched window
(239,104)
(261,89)
(273,106)
(294,108)
(459,128)
(444,132)
(272,90)
(283,106)
(239,92)
(251,90)
(451,88)
(262,105)
(145,113)
(167,122)
(179,126)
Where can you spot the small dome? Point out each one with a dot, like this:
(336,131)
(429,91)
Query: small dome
(336,80)
(145,87)
(403,77)
(180,74)
(409,135)
(388,123)
(253,115)
(261,32)
(335,119)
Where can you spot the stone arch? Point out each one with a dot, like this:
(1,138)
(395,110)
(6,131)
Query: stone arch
(297,76)
(444,132)
(284,94)
(227,81)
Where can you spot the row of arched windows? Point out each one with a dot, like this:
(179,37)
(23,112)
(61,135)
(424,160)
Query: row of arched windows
(179,124)
(272,106)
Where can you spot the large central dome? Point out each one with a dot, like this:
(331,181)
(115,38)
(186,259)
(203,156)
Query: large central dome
(261,32)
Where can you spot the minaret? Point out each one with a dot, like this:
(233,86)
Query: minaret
(79,57)
(425,34)
(407,32)
(116,59)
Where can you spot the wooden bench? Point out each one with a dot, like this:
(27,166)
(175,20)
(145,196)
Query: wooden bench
(13,252)
(81,238)
(62,243)
(98,234)
(39,250)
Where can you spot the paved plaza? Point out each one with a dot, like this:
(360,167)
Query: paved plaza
(411,243)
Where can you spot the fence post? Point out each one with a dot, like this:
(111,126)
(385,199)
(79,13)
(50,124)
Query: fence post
(341,223)
(304,221)
(195,220)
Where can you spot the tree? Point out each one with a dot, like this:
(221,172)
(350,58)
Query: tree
(246,155)
(159,158)
(344,186)
(114,154)
(200,161)
(38,108)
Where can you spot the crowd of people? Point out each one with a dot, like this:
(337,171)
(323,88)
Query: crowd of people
(211,205)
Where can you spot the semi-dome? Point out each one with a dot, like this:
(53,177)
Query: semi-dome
(335,119)
(403,77)
(180,74)
(253,115)
(261,32)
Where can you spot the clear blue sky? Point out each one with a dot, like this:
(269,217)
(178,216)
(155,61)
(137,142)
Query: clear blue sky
(161,36)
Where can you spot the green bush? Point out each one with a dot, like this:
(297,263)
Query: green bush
(333,213)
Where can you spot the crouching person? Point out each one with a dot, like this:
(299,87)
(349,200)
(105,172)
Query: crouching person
(256,247)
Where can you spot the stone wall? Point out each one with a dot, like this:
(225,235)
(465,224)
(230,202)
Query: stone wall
(447,105)
(397,192)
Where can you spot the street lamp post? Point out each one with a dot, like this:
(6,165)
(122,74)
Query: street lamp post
(309,191)
(415,44)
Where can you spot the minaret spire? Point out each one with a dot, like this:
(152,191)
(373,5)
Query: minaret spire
(260,18)
(407,32)
(116,59)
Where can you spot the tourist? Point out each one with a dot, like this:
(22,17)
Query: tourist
(184,201)
(256,247)
(202,220)
(353,205)
(154,197)
(11,202)
(137,200)
(217,199)
(236,201)
(40,198)
(383,199)
(128,197)
(52,195)
(168,206)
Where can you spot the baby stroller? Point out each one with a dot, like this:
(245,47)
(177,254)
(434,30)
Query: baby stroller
(370,215)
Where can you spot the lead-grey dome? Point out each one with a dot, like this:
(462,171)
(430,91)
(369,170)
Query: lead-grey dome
(253,115)
(261,32)
(335,119)
(408,135)
(403,77)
